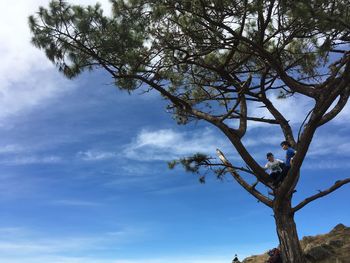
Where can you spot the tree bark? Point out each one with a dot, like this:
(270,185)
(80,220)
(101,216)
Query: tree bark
(287,234)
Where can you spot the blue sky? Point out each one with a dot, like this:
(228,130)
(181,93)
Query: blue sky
(84,175)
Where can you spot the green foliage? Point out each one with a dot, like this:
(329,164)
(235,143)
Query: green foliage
(77,38)
(220,173)
(184,41)
(198,53)
(199,164)
(193,164)
(212,60)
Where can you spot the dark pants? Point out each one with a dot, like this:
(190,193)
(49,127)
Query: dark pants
(278,177)
(284,172)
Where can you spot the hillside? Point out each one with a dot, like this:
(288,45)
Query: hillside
(333,247)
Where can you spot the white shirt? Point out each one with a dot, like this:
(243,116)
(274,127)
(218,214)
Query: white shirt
(274,166)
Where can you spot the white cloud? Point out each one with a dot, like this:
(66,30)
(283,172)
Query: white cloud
(326,165)
(24,160)
(167,144)
(136,169)
(330,144)
(28,246)
(266,139)
(294,109)
(27,243)
(344,115)
(93,155)
(27,78)
(35,253)
(11,148)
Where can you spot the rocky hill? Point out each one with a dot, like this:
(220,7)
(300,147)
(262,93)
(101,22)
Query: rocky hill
(333,247)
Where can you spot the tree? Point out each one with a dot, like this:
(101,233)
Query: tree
(215,61)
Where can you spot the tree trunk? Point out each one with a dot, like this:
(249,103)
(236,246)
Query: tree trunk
(287,234)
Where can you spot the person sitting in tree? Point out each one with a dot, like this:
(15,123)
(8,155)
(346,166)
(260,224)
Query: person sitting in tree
(290,152)
(276,167)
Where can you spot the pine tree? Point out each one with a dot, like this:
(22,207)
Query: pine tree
(214,61)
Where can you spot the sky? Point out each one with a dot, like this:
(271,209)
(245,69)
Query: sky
(84,174)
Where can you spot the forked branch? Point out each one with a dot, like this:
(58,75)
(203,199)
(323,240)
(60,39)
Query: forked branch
(249,188)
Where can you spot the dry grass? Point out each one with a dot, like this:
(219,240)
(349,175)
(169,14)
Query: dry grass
(336,243)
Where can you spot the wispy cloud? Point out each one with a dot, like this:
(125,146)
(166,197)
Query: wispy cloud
(27,77)
(167,144)
(344,116)
(326,165)
(27,243)
(31,159)
(11,148)
(294,109)
(136,169)
(262,139)
(27,247)
(94,155)
(330,144)
(225,255)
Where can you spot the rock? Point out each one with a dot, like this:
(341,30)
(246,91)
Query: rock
(332,247)
(250,259)
(335,243)
(320,252)
(255,259)
(308,239)
(339,227)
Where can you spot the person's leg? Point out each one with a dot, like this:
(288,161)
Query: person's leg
(278,179)
(273,177)
(284,172)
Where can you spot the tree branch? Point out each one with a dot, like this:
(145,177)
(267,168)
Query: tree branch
(336,185)
(322,105)
(343,99)
(243,107)
(256,119)
(231,134)
(288,80)
(249,188)
(286,128)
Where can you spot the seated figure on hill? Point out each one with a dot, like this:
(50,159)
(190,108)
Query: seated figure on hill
(236,260)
